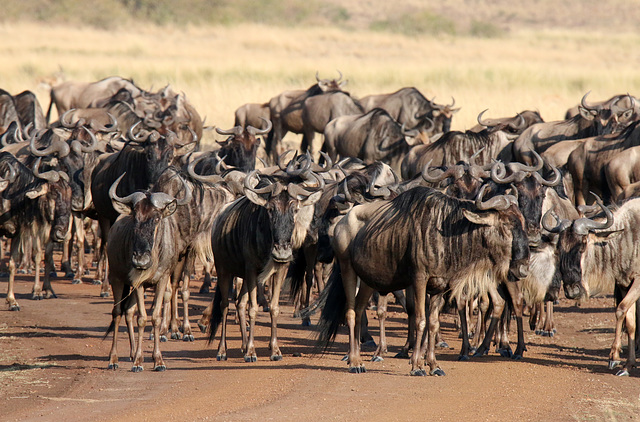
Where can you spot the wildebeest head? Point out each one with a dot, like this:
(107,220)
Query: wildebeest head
(240,148)
(54,199)
(607,117)
(329,85)
(530,188)
(147,209)
(502,212)
(288,205)
(442,115)
(572,244)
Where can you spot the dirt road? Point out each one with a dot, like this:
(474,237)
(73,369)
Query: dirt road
(53,367)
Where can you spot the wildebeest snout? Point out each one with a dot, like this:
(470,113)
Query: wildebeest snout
(572,291)
(282,252)
(141,260)
(519,270)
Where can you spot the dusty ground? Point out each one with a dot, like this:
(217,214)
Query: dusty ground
(53,367)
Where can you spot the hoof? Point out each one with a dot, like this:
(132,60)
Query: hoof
(418,373)
(377,359)
(296,314)
(505,353)
(275,358)
(345,358)
(550,333)
(4,274)
(265,308)
(221,357)
(480,353)
(402,355)
(14,308)
(137,368)
(163,338)
(538,332)
(250,359)
(203,328)
(174,336)
(622,373)
(473,351)
(37,297)
(160,368)
(104,294)
(442,345)
(76,281)
(357,369)
(188,337)
(613,363)
(369,343)
(51,295)
(97,282)
(306,322)
(68,276)
(463,358)
(517,356)
(112,366)
(203,290)
(438,372)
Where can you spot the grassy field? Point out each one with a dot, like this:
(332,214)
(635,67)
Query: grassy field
(222,67)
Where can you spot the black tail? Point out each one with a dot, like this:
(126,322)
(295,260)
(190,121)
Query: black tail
(216,314)
(333,312)
(296,272)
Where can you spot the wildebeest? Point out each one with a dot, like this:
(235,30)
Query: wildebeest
(74,94)
(254,238)
(595,254)
(251,114)
(8,112)
(409,107)
(374,136)
(516,124)
(29,110)
(143,251)
(432,242)
(285,111)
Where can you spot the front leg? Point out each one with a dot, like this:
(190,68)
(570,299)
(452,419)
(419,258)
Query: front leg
(517,298)
(436,303)
(142,323)
(156,321)
(274,309)
(498,307)
(625,311)
(381,311)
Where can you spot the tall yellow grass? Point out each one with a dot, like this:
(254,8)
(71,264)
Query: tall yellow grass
(223,67)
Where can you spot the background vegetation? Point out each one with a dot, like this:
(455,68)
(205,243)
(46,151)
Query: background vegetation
(505,56)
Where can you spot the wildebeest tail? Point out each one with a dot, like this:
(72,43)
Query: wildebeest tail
(332,314)
(216,314)
(295,273)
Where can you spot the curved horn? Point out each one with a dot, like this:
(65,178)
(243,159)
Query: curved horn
(562,225)
(191,170)
(61,148)
(453,102)
(472,159)
(328,164)
(557,178)
(133,137)
(583,102)
(250,177)
(94,142)
(51,175)
(339,73)
(234,131)
(485,122)
(317,76)
(254,131)
(188,194)
(129,199)
(499,202)
(63,119)
(12,173)
(584,225)
(522,123)
(434,178)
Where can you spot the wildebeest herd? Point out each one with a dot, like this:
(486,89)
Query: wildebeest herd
(491,221)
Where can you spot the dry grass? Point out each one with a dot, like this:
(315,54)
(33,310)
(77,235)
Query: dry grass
(220,68)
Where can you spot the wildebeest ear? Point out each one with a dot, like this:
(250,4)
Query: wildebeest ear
(3,185)
(169,209)
(311,199)
(255,198)
(626,116)
(34,193)
(604,236)
(587,114)
(487,218)
(121,208)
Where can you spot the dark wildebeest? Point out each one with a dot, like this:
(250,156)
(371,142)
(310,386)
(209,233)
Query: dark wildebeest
(73,94)
(601,254)
(143,250)
(454,147)
(30,111)
(622,172)
(285,111)
(588,161)
(143,160)
(592,121)
(412,109)
(237,151)
(8,112)
(251,114)
(374,136)
(40,210)
(254,238)
(432,242)
(622,101)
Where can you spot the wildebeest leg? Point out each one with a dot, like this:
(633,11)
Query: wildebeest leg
(187,335)
(11,299)
(421,325)
(310,253)
(78,222)
(623,311)
(498,307)
(318,274)
(480,330)
(67,251)
(361,302)
(534,316)
(241,314)
(549,326)
(102,275)
(156,321)
(274,309)
(411,329)
(381,312)
(350,283)
(222,289)
(463,309)
(436,302)
(116,315)
(48,269)
(250,281)
(142,322)
(517,298)
(128,317)
(166,314)
(203,322)
(37,284)
(307,141)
